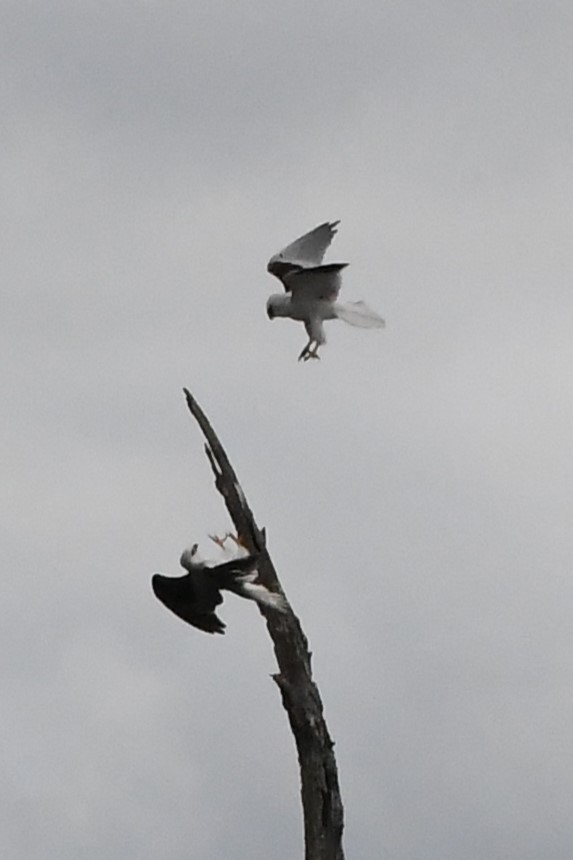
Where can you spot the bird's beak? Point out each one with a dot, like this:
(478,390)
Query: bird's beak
(270,313)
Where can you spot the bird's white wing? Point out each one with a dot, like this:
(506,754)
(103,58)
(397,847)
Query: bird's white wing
(316,284)
(304,252)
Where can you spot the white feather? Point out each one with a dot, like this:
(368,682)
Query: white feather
(307,250)
(260,593)
(358,314)
(191,559)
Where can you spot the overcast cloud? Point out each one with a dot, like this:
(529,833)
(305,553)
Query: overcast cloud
(415,483)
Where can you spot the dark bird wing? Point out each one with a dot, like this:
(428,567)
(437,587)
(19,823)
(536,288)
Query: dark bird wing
(209,623)
(304,252)
(319,282)
(192,597)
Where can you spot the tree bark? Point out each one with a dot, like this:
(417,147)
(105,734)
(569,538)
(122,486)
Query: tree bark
(321,801)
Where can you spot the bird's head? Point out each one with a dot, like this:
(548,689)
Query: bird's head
(190,559)
(277,305)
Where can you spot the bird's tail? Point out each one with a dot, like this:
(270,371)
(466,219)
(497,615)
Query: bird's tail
(358,314)
(240,575)
(261,594)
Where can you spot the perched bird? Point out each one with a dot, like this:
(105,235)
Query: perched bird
(194,596)
(311,289)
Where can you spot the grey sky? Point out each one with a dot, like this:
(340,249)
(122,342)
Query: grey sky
(415,484)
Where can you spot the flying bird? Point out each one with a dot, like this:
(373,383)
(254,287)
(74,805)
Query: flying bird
(194,596)
(312,287)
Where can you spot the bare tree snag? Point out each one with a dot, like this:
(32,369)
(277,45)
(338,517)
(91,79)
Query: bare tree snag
(321,801)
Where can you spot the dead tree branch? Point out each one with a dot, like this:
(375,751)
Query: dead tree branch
(321,800)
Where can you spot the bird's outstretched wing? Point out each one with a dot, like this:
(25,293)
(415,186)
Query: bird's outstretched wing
(210,623)
(316,284)
(303,253)
(192,597)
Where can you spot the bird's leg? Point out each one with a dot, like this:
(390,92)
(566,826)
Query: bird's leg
(304,352)
(312,353)
(229,536)
(221,541)
(309,351)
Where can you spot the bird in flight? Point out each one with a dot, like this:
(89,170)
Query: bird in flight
(194,596)
(312,287)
